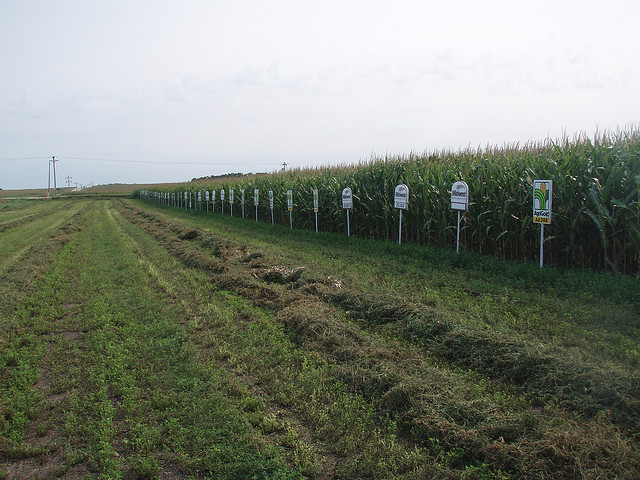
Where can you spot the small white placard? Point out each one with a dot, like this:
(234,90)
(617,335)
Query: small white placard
(347,198)
(401,197)
(460,196)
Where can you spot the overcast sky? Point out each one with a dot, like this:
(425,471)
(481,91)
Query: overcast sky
(157,91)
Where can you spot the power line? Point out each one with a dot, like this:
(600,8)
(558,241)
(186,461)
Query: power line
(115,160)
(21,158)
(143,161)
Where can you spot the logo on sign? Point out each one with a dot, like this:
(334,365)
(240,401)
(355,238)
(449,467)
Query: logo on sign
(401,197)
(542,199)
(347,198)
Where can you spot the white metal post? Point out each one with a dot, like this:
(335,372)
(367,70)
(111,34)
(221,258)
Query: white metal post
(348,226)
(458,235)
(541,244)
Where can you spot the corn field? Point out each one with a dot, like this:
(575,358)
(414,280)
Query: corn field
(596,190)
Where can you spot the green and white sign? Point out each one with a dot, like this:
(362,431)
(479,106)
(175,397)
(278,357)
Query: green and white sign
(316,204)
(542,199)
(290,207)
(459,202)
(271,204)
(290,199)
(401,202)
(347,204)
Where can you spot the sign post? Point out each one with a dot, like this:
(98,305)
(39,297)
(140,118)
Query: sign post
(213,201)
(401,202)
(256,193)
(542,199)
(315,206)
(231,200)
(222,201)
(242,200)
(271,204)
(206,199)
(290,207)
(459,202)
(347,204)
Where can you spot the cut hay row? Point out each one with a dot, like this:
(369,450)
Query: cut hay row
(596,189)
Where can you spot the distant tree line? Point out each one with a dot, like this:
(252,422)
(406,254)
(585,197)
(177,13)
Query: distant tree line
(224,175)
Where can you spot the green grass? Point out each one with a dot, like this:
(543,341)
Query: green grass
(576,307)
(139,341)
(518,366)
(135,398)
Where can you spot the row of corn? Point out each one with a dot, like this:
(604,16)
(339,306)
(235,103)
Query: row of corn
(596,190)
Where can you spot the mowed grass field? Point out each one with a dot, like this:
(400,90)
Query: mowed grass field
(139,341)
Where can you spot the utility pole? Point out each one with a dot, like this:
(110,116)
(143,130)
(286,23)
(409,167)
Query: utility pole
(284,166)
(53,160)
(68,178)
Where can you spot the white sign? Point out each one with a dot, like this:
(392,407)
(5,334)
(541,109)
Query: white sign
(222,196)
(271,199)
(347,198)
(290,200)
(206,195)
(401,197)
(315,200)
(256,192)
(199,197)
(231,195)
(542,198)
(460,196)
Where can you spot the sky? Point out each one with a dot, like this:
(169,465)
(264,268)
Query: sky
(132,91)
